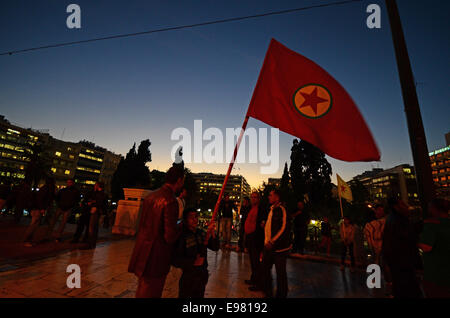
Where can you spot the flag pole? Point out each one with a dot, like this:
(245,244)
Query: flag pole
(340,202)
(230,167)
(424,179)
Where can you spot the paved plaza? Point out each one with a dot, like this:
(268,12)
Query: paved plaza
(104,274)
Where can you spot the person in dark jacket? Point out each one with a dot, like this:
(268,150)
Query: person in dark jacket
(400,250)
(254,237)
(301,221)
(435,244)
(325,231)
(42,200)
(5,192)
(83,221)
(156,237)
(245,209)
(22,198)
(226,220)
(191,256)
(277,243)
(97,202)
(66,199)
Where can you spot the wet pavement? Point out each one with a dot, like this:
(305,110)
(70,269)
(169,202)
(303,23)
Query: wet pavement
(104,274)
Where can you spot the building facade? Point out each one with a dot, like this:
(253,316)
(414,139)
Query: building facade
(237,187)
(398,181)
(16,144)
(63,157)
(440,165)
(84,162)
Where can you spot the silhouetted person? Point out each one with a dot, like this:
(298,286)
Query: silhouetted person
(226,219)
(5,193)
(191,256)
(254,236)
(373,232)
(325,231)
(158,231)
(66,200)
(400,250)
(181,199)
(435,244)
(22,197)
(83,221)
(245,209)
(347,232)
(301,221)
(97,202)
(277,243)
(42,201)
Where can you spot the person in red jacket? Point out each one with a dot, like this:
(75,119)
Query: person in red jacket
(157,234)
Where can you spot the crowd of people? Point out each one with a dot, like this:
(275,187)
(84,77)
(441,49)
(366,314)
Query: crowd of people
(171,239)
(166,240)
(48,206)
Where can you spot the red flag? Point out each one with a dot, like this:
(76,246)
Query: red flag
(300,98)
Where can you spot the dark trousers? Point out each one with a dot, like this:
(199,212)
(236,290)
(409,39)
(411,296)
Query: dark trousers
(348,248)
(150,287)
(432,290)
(36,216)
(299,239)
(192,283)
(18,213)
(255,247)
(82,226)
(65,216)
(404,282)
(279,259)
(93,229)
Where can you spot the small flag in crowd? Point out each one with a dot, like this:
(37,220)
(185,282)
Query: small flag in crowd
(344,189)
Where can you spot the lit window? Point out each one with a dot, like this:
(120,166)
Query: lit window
(67,172)
(53,170)
(58,154)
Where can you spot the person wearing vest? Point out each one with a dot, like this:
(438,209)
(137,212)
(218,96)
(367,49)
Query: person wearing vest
(277,243)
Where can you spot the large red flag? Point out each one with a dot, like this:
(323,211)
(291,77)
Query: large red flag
(300,98)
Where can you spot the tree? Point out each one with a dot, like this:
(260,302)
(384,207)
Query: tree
(359,191)
(38,166)
(310,175)
(192,189)
(285,178)
(287,194)
(156,179)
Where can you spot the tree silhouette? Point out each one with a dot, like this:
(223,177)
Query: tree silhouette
(39,165)
(311,175)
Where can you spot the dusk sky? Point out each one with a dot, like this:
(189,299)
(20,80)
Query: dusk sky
(121,91)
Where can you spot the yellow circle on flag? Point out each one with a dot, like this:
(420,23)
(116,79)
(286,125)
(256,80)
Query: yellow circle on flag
(312,100)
